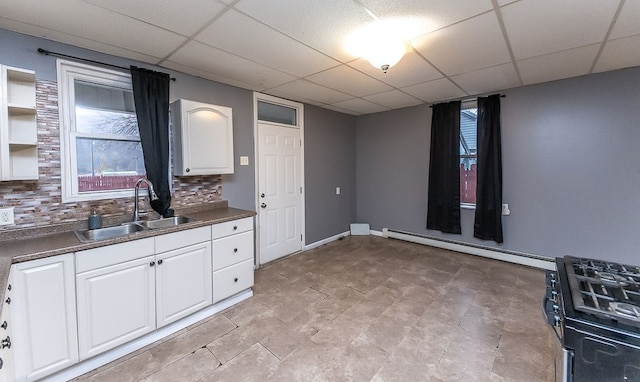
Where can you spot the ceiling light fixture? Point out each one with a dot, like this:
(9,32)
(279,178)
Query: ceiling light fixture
(382,43)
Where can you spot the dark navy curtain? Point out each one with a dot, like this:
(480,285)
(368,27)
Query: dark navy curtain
(443,202)
(488,219)
(151,97)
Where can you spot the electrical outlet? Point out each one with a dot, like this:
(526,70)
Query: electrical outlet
(505,210)
(6,216)
(337,190)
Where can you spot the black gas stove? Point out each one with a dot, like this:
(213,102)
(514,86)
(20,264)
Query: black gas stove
(594,307)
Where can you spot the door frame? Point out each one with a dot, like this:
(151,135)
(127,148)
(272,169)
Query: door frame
(300,126)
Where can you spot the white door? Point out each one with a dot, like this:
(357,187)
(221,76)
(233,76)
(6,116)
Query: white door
(280,191)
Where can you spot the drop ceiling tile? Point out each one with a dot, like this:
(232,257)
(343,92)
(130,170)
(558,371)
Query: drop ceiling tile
(436,13)
(241,35)
(94,23)
(628,23)
(310,91)
(167,14)
(559,65)
(535,30)
(350,81)
(410,70)
(225,65)
(488,80)
(502,3)
(359,105)
(334,108)
(471,45)
(76,41)
(618,54)
(393,99)
(324,24)
(435,91)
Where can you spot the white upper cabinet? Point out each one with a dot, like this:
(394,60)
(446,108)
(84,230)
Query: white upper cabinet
(18,128)
(202,138)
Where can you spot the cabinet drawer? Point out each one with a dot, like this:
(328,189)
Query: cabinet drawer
(180,239)
(113,254)
(232,250)
(232,280)
(229,228)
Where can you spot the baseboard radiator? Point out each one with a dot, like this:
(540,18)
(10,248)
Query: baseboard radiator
(473,249)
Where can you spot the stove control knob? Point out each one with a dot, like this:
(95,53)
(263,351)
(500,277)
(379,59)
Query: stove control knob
(552,294)
(553,319)
(550,279)
(551,307)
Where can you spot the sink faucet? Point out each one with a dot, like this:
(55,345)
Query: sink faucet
(136,190)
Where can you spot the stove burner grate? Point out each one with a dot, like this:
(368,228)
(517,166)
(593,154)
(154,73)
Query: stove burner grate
(604,288)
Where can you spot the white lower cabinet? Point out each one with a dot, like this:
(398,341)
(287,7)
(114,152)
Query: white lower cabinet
(43,314)
(115,305)
(130,289)
(7,371)
(68,308)
(183,276)
(232,257)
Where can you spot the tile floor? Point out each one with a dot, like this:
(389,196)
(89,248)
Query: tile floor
(364,308)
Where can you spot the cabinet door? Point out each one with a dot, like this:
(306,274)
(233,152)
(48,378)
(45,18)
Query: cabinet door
(6,336)
(43,314)
(183,282)
(203,138)
(115,305)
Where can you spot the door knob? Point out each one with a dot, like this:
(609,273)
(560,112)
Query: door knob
(263,205)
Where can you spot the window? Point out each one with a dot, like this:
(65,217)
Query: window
(101,153)
(468,155)
(272,112)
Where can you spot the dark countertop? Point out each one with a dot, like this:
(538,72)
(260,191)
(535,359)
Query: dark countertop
(31,244)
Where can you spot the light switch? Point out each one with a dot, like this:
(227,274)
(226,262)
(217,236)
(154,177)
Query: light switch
(505,210)
(337,190)
(244,160)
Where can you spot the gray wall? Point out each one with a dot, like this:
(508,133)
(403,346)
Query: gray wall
(329,158)
(570,168)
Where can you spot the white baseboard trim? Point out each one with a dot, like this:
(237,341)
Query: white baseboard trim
(524,259)
(122,350)
(376,233)
(326,241)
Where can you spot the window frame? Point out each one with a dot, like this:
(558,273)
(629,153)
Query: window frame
(466,105)
(68,72)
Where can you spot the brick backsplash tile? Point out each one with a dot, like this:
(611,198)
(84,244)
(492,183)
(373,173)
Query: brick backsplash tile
(39,203)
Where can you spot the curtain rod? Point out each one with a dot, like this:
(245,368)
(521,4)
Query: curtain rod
(50,53)
(468,100)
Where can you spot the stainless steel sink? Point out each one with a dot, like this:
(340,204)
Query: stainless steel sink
(88,235)
(165,222)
